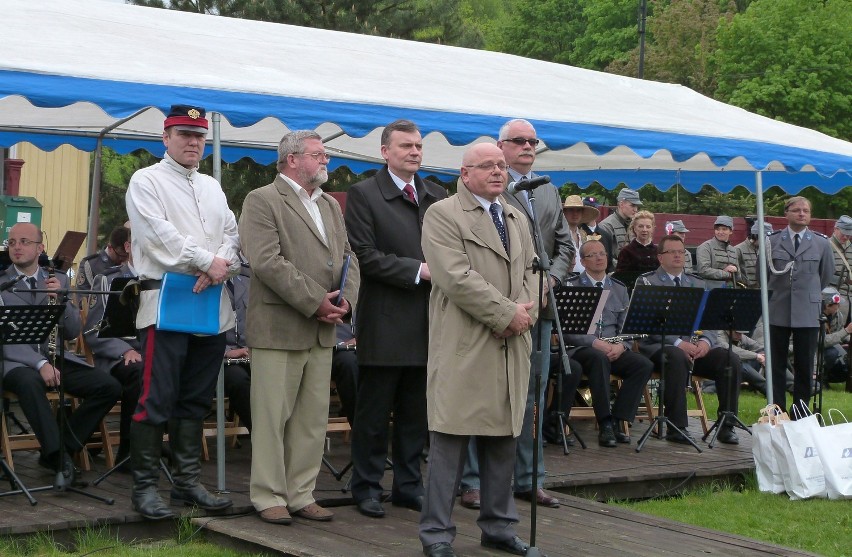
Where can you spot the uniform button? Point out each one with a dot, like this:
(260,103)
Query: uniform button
(331,263)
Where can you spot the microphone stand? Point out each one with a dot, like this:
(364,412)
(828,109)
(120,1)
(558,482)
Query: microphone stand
(542,266)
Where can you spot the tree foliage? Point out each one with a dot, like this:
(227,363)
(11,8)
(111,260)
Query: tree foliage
(790,60)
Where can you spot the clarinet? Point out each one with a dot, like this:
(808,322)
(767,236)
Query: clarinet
(51,341)
(623,338)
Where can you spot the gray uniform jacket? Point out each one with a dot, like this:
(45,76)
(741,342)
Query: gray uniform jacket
(747,262)
(617,228)
(842,262)
(107,351)
(612,318)
(747,348)
(711,257)
(660,277)
(236,337)
(796,300)
(16,355)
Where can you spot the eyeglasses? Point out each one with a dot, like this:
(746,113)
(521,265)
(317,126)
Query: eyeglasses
(522,141)
(320,157)
(487,166)
(23,241)
(674,251)
(596,254)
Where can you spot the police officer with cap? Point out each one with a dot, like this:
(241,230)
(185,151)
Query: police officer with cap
(842,248)
(837,332)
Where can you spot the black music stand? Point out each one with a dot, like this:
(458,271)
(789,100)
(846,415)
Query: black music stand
(628,278)
(24,325)
(661,311)
(118,322)
(731,310)
(579,308)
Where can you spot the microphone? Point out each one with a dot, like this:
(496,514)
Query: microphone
(526,185)
(10,283)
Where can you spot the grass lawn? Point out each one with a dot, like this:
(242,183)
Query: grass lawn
(817,525)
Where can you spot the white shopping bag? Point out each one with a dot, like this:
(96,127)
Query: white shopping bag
(834,444)
(805,477)
(765,461)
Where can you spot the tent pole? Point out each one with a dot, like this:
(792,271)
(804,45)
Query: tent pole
(95,201)
(764,292)
(220,383)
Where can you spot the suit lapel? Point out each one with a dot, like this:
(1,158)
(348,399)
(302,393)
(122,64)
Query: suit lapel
(293,201)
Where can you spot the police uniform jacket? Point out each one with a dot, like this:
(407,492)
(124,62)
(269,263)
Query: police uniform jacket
(842,262)
(614,313)
(107,351)
(660,277)
(32,355)
(92,266)
(238,292)
(796,300)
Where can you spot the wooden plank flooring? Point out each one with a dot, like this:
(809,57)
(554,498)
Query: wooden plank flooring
(577,527)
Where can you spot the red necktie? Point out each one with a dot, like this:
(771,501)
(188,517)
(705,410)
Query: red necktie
(408,191)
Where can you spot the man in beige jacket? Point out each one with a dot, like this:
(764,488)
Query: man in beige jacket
(295,240)
(482,306)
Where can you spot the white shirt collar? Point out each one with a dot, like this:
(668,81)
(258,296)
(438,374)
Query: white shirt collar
(300,191)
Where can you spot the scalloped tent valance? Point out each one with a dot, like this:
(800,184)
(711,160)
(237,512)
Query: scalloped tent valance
(71,68)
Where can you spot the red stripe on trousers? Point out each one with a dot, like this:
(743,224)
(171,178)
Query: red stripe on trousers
(148,364)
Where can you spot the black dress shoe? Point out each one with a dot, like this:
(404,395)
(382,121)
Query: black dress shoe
(618,431)
(727,436)
(676,437)
(371,508)
(515,546)
(415,504)
(606,436)
(440,549)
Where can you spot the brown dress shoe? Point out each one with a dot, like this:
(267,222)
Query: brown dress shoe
(276,515)
(542,498)
(314,512)
(470,498)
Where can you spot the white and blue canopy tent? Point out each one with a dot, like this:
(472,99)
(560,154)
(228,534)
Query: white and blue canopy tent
(74,71)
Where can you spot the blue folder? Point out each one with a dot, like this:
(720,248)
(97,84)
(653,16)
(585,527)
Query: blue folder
(181,310)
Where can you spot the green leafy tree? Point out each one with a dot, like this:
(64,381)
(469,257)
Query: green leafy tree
(542,29)
(611,32)
(790,60)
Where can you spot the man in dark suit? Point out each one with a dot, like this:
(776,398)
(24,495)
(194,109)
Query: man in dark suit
(802,265)
(384,215)
(518,142)
(708,359)
(29,372)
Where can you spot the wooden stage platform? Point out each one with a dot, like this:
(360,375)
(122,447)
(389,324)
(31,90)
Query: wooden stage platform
(580,526)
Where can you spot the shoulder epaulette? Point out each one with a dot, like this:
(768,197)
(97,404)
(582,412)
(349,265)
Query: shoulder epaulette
(774,232)
(616,281)
(573,276)
(693,275)
(648,274)
(111,270)
(820,234)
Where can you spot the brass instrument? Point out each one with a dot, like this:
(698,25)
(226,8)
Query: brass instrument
(237,361)
(623,338)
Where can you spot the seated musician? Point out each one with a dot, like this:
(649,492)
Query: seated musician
(119,357)
(599,357)
(30,370)
(113,255)
(709,360)
(237,358)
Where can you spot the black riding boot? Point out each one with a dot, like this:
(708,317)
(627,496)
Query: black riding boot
(185,440)
(145,445)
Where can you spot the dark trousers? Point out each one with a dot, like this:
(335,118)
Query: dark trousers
(447,455)
(98,390)
(130,378)
(238,391)
(382,390)
(344,373)
(804,348)
(635,371)
(179,375)
(711,366)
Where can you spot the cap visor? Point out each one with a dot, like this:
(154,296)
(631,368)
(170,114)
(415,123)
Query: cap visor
(193,129)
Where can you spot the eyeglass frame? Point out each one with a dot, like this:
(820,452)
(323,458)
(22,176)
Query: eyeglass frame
(25,242)
(314,156)
(674,252)
(521,141)
(489,166)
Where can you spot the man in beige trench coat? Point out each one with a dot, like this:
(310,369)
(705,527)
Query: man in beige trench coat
(482,306)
